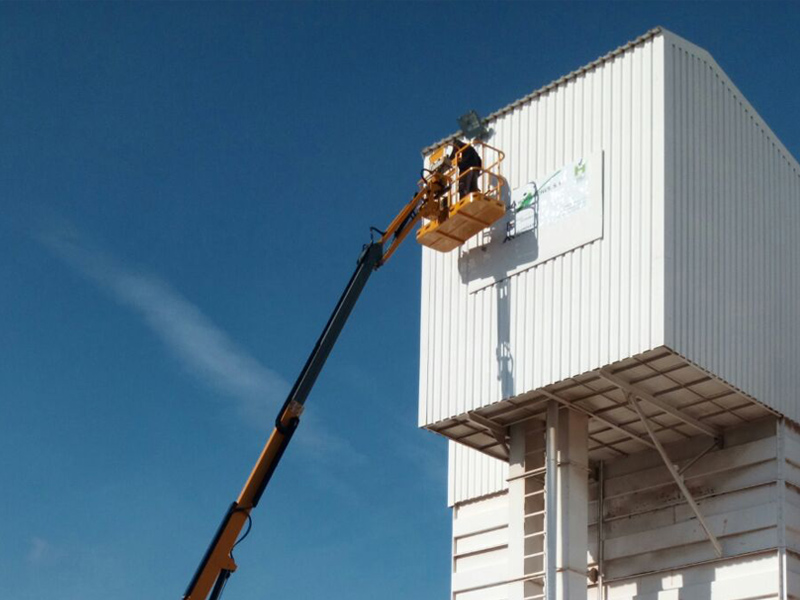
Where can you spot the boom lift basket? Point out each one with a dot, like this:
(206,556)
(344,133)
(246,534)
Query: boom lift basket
(461,217)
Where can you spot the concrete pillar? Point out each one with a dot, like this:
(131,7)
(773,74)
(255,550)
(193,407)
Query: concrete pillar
(573,505)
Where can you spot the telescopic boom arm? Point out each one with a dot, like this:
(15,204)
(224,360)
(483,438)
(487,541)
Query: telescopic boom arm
(217,564)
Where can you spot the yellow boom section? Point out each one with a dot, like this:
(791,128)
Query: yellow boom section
(452,217)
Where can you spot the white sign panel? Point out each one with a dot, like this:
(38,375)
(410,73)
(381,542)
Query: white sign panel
(544,218)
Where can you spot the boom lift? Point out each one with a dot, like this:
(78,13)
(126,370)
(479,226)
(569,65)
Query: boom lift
(451,219)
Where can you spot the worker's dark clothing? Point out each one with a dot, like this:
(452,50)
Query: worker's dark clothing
(468,159)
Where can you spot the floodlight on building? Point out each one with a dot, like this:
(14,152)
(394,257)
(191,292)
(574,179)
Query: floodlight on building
(472,125)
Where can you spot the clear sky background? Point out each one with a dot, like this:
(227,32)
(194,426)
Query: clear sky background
(184,191)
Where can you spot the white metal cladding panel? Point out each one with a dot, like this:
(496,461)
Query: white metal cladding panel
(584,309)
(793,576)
(472,474)
(743,578)
(647,525)
(732,234)
(480,549)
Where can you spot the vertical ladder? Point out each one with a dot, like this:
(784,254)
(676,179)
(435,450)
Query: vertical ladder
(527,518)
(549,498)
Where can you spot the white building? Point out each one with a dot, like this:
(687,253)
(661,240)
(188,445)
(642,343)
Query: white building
(660,276)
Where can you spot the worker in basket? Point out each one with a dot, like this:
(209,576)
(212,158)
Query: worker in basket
(469,167)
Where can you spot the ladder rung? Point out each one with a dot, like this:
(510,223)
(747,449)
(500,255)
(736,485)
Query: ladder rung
(534,514)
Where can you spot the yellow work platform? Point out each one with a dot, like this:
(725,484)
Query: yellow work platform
(467,217)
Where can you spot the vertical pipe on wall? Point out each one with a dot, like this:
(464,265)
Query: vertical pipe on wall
(601,483)
(780,452)
(551,503)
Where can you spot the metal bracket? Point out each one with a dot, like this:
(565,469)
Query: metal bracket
(295,408)
(675,474)
(692,462)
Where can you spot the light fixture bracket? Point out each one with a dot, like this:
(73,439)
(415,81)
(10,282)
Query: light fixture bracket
(472,126)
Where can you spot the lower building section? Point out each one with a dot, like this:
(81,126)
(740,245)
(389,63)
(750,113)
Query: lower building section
(641,539)
(753,577)
(480,548)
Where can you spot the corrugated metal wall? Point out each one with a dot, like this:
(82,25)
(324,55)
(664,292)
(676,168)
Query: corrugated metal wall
(586,308)
(472,474)
(732,231)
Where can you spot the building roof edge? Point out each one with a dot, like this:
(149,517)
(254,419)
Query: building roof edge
(560,81)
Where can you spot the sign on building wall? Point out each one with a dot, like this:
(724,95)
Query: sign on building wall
(544,218)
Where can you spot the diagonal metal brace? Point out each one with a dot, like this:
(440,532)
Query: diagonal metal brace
(499,433)
(629,388)
(675,475)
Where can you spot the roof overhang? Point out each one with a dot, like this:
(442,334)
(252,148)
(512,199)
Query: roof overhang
(679,399)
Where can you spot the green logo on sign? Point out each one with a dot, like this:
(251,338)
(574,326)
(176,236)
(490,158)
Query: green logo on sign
(526,201)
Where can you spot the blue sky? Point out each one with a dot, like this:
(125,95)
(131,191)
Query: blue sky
(185,188)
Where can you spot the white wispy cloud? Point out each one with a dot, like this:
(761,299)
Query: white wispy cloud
(39,551)
(201,347)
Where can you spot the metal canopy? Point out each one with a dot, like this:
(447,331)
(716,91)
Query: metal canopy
(679,400)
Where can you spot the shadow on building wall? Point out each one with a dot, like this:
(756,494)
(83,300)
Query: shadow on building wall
(505,360)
